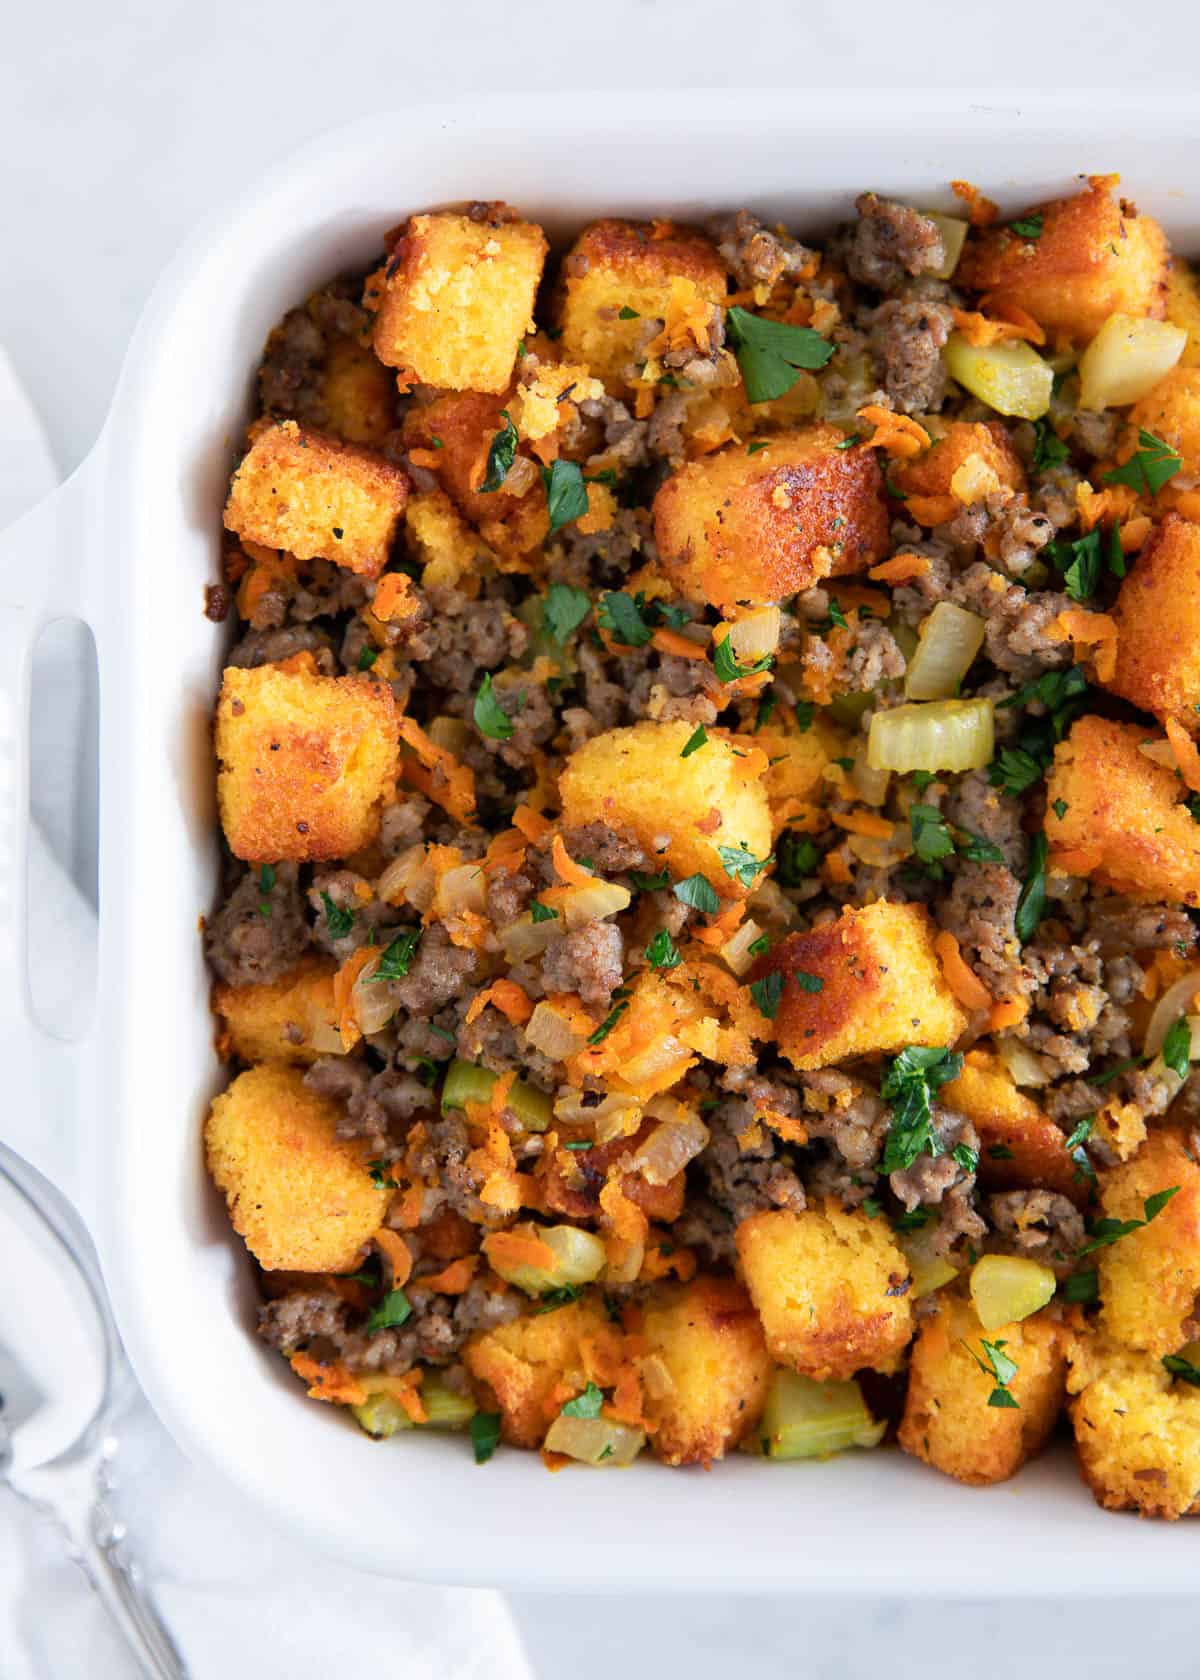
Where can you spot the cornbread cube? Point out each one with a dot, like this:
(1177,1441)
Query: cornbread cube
(298,1194)
(961,444)
(293,1019)
(1183,308)
(831,1288)
(708,1336)
(358,392)
(1124,814)
(947,1420)
(458,298)
(1158,625)
(796,763)
(881,987)
(1033,1150)
(455,431)
(734,528)
(1095,256)
(1137,1431)
(305,761)
(518,1364)
(1172,412)
(681,809)
(630,266)
(438,536)
(1150,1279)
(319,499)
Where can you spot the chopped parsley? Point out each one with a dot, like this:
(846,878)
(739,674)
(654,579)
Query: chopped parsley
(380,1175)
(754,448)
(848,441)
(694,741)
(395,961)
(766,706)
(566,493)
(1081,1287)
(609,1022)
(490,717)
(539,912)
(366,658)
(966,1157)
(627,314)
(1075,1147)
(1106,1231)
(767,994)
(564,610)
(797,858)
(996,1364)
(1109,1074)
(1031,905)
(909,1085)
(699,892)
(1015,770)
(931,835)
(1049,450)
(662,952)
(560,1297)
(1082,561)
(1000,1152)
(266,883)
(394,1310)
(871,1205)
(725,663)
(650,883)
(1149,468)
(1182,1369)
(835,620)
(501,454)
(741,865)
(485,1435)
(621,615)
(338,921)
(760,946)
(1060,808)
(772,353)
(807,982)
(1028,227)
(1177,1047)
(585,1405)
(913,1219)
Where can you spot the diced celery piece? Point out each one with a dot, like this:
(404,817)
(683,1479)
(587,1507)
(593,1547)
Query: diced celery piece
(932,735)
(1008,1287)
(1011,378)
(1126,359)
(381,1415)
(468,1083)
(446,1409)
(807,1419)
(954,237)
(596,1441)
(929,1269)
(579,1257)
(950,639)
(847,709)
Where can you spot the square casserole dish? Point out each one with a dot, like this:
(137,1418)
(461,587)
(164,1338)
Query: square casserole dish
(132,541)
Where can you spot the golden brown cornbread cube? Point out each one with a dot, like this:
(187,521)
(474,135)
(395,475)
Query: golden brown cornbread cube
(1122,819)
(1158,625)
(1150,1279)
(681,809)
(881,987)
(947,1420)
(1032,1149)
(519,1363)
(1172,412)
(292,1019)
(1137,1430)
(1183,308)
(831,1288)
(708,1336)
(456,431)
(960,444)
(457,299)
(439,538)
(796,763)
(734,527)
(318,499)
(615,266)
(299,1195)
(1095,256)
(358,392)
(305,761)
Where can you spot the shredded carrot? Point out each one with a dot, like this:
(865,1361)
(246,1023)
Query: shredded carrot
(436,772)
(1008,1012)
(1088,630)
(718,931)
(1020,322)
(1115,501)
(662,1260)
(343,993)
(531,823)
(931,510)
(328,1382)
(571,873)
(901,568)
(958,974)
(981,211)
(670,641)
(1074,860)
(406,378)
(899,435)
(394,598)
(412,1206)
(511,1249)
(1135,531)
(865,822)
(509,998)
(399,1255)
(428,458)
(453,1279)
(837,869)
(982,331)
(507,851)
(1186,756)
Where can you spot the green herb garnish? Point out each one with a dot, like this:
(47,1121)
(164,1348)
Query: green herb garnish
(772,353)
(662,952)
(564,610)
(1031,906)
(393,1311)
(501,454)
(566,493)
(621,615)
(1149,468)
(694,741)
(585,1405)
(909,1085)
(338,921)
(741,865)
(699,892)
(484,1429)
(490,717)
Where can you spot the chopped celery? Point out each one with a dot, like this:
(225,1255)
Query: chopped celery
(950,639)
(954,237)
(929,1269)
(1126,359)
(595,1441)
(847,709)
(807,1419)
(1008,1287)
(381,1415)
(467,1083)
(932,735)
(1011,378)
(579,1257)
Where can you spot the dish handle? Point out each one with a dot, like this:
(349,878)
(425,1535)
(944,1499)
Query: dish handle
(43,1076)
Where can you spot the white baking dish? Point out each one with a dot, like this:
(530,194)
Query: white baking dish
(130,544)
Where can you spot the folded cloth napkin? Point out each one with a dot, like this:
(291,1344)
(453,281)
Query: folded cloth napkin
(240,1598)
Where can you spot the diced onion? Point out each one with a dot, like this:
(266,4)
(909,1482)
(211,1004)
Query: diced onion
(626,1269)
(756,636)
(325,1038)
(448,732)
(660,1064)
(1175,1001)
(614,1116)
(1126,359)
(373,1008)
(408,879)
(549,1031)
(974,481)
(1011,378)
(933,735)
(596,1441)
(595,901)
(950,639)
(1006,1288)
(769,901)
(954,237)
(870,785)
(736,951)
(461,888)
(521,477)
(807,1419)
(1160,752)
(526,938)
(929,1269)
(1024,1068)
(579,1257)
(876,852)
(669,1148)
(656,1378)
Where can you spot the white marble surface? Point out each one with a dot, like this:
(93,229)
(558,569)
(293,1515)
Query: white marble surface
(119,126)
